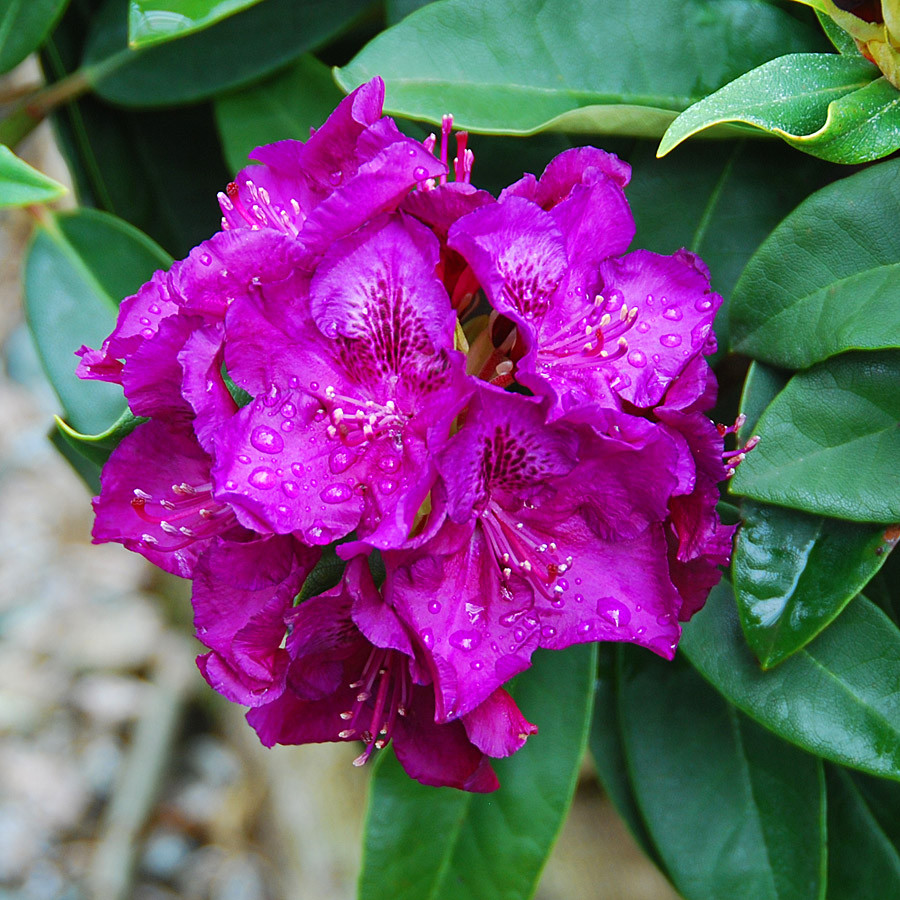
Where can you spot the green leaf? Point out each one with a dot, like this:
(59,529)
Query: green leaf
(233,52)
(78,267)
(834,107)
(842,41)
(284,106)
(23,26)
(734,811)
(828,277)
(829,443)
(838,697)
(761,386)
(22,185)
(156,21)
(485,846)
(605,743)
(862,861)
(793,574)
(97,447)
(514,67)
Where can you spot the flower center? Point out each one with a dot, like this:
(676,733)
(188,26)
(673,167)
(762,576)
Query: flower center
(383,692)
(518,550)
(357,421)
(595,337)
(189,514)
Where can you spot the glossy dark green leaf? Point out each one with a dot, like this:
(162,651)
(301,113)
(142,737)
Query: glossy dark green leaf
(828,278)
(22,185)
(838,697)
(485,846)
(231,53)
(157,21)
(794,572)
(829,443)
(831,106)
(284,106)
(883,800)
(862,861)
(400,9)
(513,67)
(761,386)
(79,266)
(23,26)
(605,743)
(734,811)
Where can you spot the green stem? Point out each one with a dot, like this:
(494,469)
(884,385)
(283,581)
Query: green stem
(35,108)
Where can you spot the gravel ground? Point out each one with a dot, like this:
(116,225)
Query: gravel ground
(121,774)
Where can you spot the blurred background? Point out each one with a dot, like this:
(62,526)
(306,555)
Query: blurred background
(121,773)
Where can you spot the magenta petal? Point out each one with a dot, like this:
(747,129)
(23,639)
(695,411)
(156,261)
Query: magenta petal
(155,484)
(475,638)
(238,687)
(377,186)
(440,755)
(517,252)
(379,287)
(615,590)
(497,727)
(675,311)
(139,319)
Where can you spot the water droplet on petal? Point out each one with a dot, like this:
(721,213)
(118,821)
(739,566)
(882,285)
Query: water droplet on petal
(288,410)
(287,426)
(230,485)
(670,340)
(266,440)
(341,460)
(335,178)
(291,488)
(465,639)
(673,314)
(205,259)
(337,493)
(434,607)
(244,459)
(548,631)
(298,470)
(420,172)
(519,634)
(388,463)
(613,611)
(387,485)
(427,636)
(477,665)
(643,327)
(637,359)
(263,478)
(703,305)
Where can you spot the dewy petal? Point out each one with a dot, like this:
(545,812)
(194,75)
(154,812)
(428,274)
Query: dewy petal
(242,592)
(497,727)
(449,593)
(675,311)
(518,253)
(156,499)
(139,319)
(343,434)
(377,186)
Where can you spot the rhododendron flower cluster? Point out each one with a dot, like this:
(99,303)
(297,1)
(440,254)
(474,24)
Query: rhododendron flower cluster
(489,397)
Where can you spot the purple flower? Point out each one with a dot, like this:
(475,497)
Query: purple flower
(355,674)
(315,374)
(595,326)
(553,536)
(356,383)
